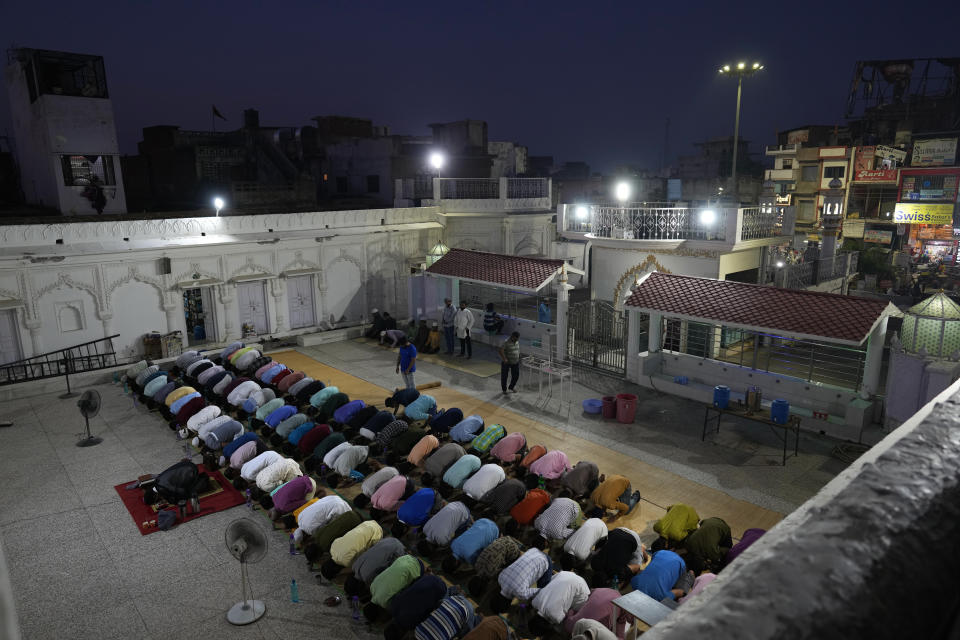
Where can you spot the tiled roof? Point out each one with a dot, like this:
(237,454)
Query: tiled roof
(792,312)
(495,268)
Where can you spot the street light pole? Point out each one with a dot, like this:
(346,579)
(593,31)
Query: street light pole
(736,136)
(741,69)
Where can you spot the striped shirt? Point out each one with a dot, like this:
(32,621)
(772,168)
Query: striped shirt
(519,579)
(442,527)
(497,555)
(447,620)
(557,522)
(488,437)
(391,431)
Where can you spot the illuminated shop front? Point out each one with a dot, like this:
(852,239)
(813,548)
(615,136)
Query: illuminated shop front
(927,204)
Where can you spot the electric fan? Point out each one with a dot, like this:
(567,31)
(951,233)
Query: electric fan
(89,404)
(247,543)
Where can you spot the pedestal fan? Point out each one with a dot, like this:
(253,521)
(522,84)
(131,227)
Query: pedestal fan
(89,404)
(247,543)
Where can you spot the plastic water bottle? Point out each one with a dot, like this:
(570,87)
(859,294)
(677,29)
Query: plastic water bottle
(355,605)
(294,592)
(249,501)
(293,545)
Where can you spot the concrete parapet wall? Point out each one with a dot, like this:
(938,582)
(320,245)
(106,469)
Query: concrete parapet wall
(872,555)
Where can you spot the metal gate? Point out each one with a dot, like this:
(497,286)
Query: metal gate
(597,336)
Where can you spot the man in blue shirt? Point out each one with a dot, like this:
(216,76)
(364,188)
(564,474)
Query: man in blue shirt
(407,363)
(467,429)
(414,511)
(660,576)
(468,545)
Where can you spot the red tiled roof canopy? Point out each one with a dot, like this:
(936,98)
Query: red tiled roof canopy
(793,312)
(496,268)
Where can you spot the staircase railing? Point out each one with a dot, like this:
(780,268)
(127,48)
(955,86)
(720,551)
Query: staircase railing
(87,356)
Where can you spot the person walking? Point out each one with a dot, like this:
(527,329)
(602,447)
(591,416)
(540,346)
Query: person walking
(463,322)
(407,362)
(446,322)
(510,356)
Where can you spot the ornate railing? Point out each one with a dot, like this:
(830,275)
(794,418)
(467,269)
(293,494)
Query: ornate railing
(658,223)
(761,222)
(527,188)
(801,276)
(469,188)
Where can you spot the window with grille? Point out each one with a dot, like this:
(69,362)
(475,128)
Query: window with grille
(834,172)
(80,171)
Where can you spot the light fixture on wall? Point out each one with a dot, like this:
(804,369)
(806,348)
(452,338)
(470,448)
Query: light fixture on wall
(439,250)
(218,204)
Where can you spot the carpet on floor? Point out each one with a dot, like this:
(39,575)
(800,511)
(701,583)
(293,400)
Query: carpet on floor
(221,496)
(476,367)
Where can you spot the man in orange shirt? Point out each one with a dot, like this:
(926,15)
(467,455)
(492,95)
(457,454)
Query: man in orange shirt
(614,494)
(526,511)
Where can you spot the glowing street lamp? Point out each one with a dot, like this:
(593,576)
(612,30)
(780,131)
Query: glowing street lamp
(742,69)
(708,217)
(218,204)
(622,192)
(436,161)
(582,212)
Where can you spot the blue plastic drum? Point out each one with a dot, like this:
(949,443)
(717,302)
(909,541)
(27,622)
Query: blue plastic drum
(721,396)
(592,405)
(780,411)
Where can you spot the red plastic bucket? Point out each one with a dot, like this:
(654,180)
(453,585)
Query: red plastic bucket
(609,409)
(626,407)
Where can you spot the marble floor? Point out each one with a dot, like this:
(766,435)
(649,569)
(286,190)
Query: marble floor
(79,567)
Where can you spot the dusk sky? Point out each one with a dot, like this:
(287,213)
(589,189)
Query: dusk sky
(590,81)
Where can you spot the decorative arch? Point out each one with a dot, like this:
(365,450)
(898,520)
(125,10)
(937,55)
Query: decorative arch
(64,280)
(251,265)
(648,265)
(133,274)
(195,269)
(527,244)
(299,262)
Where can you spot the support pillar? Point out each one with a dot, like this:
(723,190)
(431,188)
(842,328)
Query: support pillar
(230,312)
(563,305)
(874,360)
(633,343)
(36,340)
(278,290)
(653,335)
(455,291)
(176,321)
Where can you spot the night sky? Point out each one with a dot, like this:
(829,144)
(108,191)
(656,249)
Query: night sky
(588,81)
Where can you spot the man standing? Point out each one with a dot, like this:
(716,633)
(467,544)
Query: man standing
(463,322)
(510,357)
(446,321)
(407,362)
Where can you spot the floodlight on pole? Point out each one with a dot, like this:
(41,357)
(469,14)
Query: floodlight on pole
(708,217)
(582,212)
(742,69)
(218,204)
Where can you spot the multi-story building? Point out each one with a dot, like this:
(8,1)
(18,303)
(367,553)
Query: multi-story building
(706,176)
(66,139)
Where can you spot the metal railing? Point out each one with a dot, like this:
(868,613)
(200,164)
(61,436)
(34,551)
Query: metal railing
(505,302)
(87,356)
(527,188)
(808,360)
(658,223)
(808,274)
(761,222)
(469,188)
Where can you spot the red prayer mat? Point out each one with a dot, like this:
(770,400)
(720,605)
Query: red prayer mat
(221,496)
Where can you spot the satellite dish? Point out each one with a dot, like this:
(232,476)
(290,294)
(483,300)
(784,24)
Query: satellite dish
(89,405)
(247,543)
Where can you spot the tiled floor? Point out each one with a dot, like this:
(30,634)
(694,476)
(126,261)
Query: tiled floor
(80,569)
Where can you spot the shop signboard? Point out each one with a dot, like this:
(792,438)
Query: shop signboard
(863,161)
(878,235)
(890,153)
(876,175)
(938,152)
(916,213)
(801,135)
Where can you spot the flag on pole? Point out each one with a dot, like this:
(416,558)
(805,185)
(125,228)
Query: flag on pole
(217,113)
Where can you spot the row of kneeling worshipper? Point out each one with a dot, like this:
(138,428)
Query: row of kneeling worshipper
(442,525)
